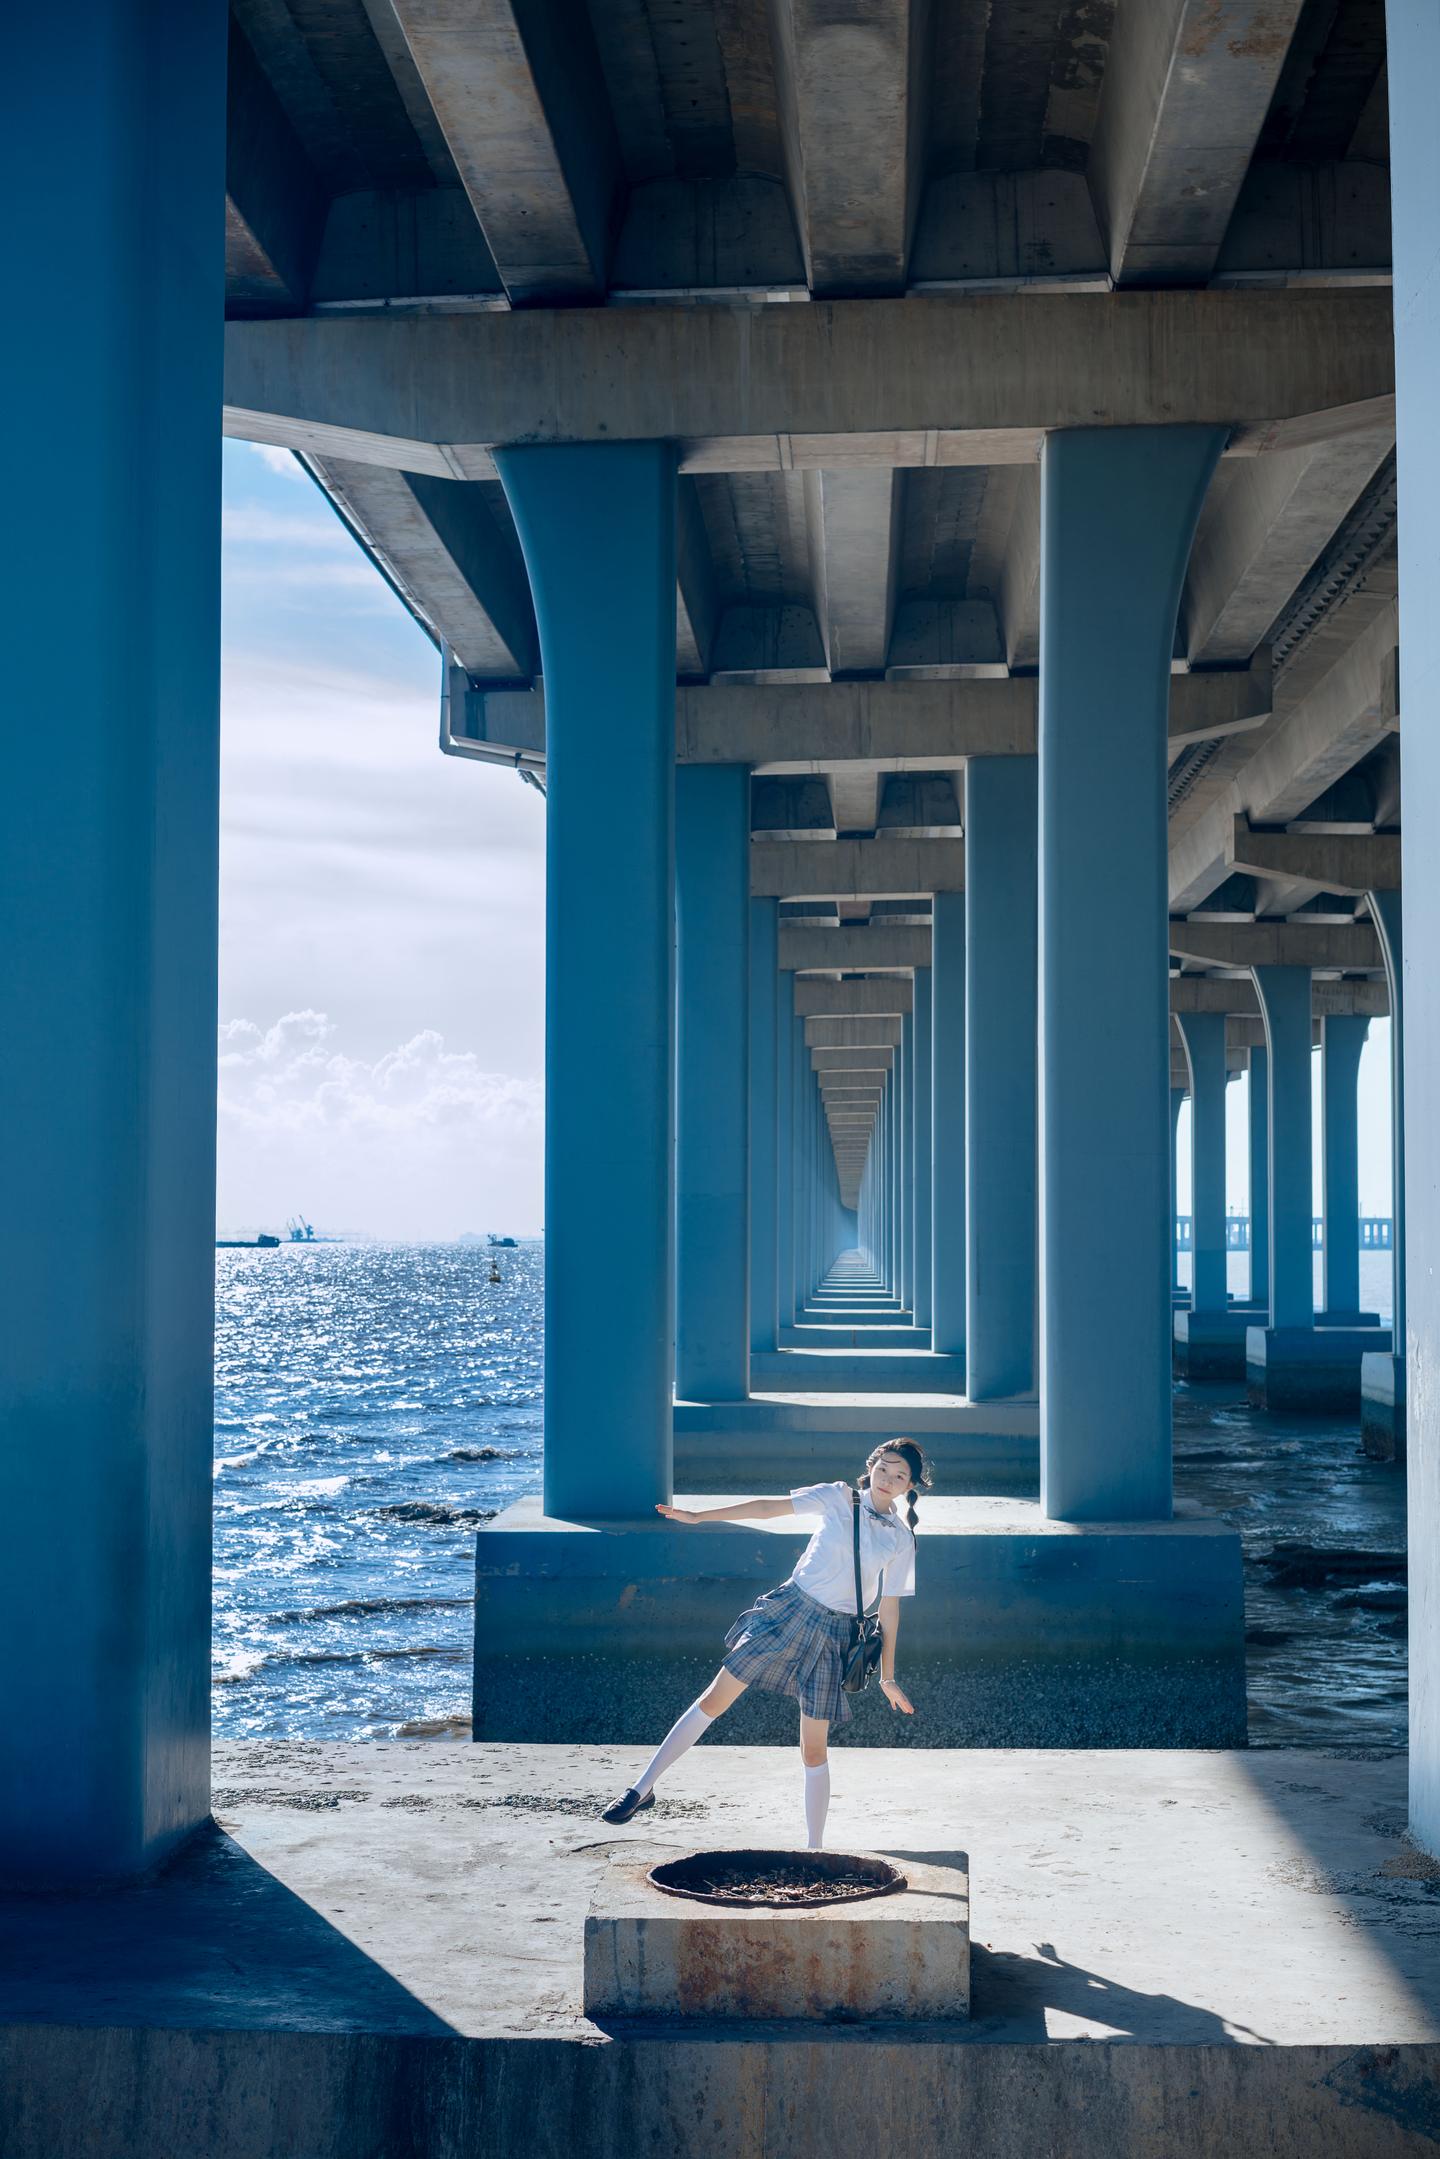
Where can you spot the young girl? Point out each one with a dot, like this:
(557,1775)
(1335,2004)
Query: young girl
(793,1639)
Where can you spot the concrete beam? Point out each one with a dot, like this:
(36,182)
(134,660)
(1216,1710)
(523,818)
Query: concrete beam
(697,600)
(1335,861)
(822,1034)
(450,548)
(855,869)
(869,1058)
(1348,713)
(841,384)
(1265,522)
(1187,86)
(876,727)
(274,205)
(517,88)
(1361,997)
(890,995)
(851,86)
(852,522)
(403,248)
(853,951)
(1351,945)
(1299,221)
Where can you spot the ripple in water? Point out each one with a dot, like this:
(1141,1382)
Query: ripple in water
(374,1404)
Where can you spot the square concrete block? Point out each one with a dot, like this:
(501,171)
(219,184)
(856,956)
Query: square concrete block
(883,1960)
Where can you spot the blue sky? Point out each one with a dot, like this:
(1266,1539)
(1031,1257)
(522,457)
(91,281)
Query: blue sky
(382,907)
(382,912)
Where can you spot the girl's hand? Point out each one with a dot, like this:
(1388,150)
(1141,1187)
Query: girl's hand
(677,1514)
(898,1699)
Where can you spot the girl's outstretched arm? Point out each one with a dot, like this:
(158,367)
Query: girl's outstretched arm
(739,1510)
(895,1695)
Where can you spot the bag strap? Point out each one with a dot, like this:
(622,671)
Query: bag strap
(855,1526)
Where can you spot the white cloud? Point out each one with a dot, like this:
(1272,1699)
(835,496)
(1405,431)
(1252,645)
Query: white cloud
(421,1140)
(283,462)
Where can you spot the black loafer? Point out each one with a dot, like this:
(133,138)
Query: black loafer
(627,1806)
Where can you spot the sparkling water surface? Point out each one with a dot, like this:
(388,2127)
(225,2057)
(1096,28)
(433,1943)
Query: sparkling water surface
(376,1403)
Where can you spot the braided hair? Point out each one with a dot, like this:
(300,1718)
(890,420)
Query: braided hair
(913,1456)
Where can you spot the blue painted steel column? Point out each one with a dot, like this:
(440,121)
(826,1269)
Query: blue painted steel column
(1000,1075)
(1341,1041)
(108,851)
(1118,511)
(923,1172)
(947,1106)
(1259,1176)
(1285,1003)
(765,980)
(787,1025)
(1204,1034)
(1386,911)
(712,1158)
(1177,1103)
(597,524)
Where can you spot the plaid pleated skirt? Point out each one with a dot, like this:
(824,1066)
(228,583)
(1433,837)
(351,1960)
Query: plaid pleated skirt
(787,1643)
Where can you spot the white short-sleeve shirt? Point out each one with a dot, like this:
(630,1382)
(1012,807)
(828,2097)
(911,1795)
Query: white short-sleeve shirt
(825,1569)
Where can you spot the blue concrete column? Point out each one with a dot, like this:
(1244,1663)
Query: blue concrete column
(1413,40)
(712,1156)
(923,1226)
(597,524)
(1285,1003)
(786,1028)
(1259,1176)
(1118,511)
(108,875)
(1386,913)
(1204,1034)
(947,1109)
(1000,1075)
(904,1084)
(1341,1041)
(765,982)
(1177,1103)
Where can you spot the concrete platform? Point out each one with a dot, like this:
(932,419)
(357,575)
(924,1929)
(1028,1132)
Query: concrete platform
(1025,1632)
(776,1441)
(1382,1405)
(1306,1370)
(1176,1956)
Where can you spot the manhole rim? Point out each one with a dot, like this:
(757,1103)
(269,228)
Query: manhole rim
(896,1886)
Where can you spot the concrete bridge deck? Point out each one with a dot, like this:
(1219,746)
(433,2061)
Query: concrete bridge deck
(379,1954)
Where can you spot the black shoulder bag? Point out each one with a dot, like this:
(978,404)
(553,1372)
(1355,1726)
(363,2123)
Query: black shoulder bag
(866,1645)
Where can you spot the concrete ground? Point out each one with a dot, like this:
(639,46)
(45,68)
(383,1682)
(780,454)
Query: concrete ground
(1187,1909)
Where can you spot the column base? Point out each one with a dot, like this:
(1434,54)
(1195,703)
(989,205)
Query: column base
(1211,1345)
(1308,1369)
(858,1371)
(1025,1633)
(776,1441)
(1382,1405)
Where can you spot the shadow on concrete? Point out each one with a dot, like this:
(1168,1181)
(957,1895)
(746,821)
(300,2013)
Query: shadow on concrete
(1012,1995)
(212,1941)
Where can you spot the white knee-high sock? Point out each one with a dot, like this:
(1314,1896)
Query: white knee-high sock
(682,1735)
(817,1804)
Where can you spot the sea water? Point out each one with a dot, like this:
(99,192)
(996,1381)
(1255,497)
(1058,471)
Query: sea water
(376,1403)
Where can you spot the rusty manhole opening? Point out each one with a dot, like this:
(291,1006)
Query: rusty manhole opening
(785,1880)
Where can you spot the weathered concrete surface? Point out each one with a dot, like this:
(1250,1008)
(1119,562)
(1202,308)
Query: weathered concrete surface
(1211,1345)
(1024,1631)
(881,1960)
(380,1958)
